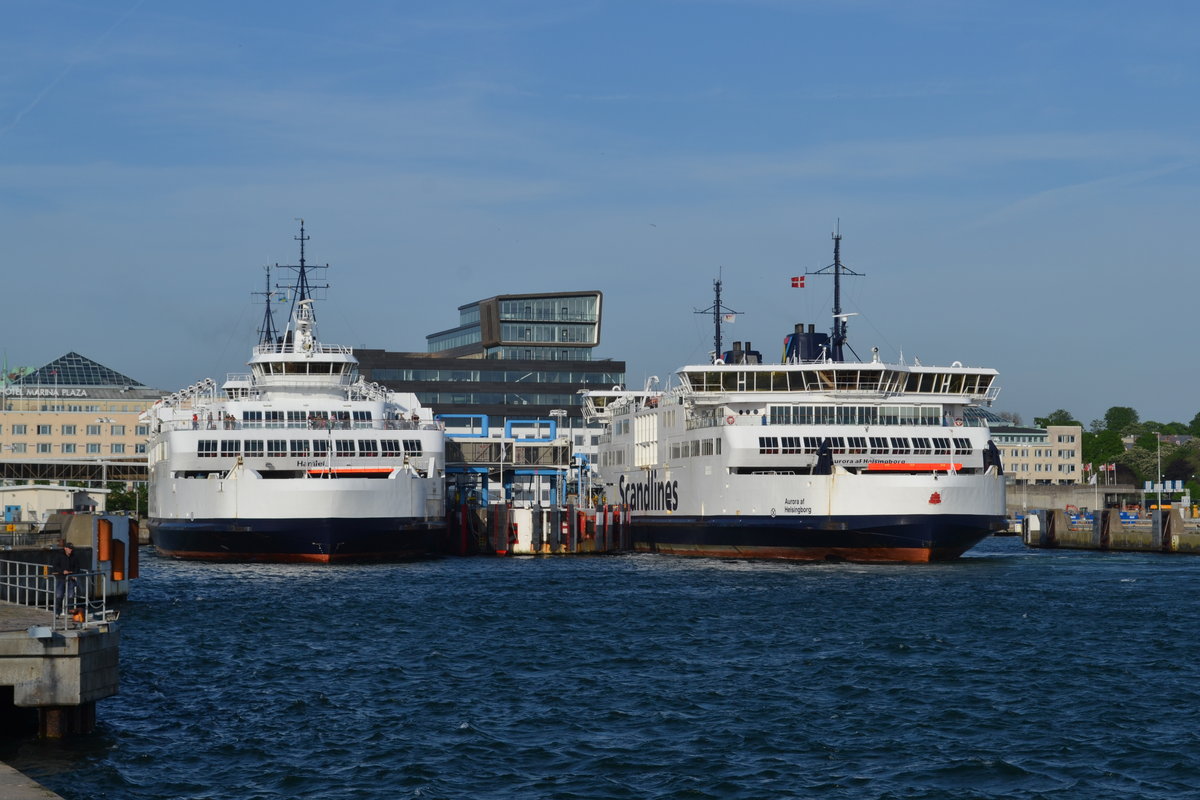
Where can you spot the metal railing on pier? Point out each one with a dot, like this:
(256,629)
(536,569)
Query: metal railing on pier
(82,599)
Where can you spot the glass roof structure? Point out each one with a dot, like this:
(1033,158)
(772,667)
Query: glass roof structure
(76,370)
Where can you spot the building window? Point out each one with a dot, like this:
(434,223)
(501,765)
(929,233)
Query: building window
(137,448)
(19,447)
(118,430)
(68,430)
(43,430)
(142,430)
(93,430)
(68,449)
(93,448)
(118,449)
(44,447)
(19,429)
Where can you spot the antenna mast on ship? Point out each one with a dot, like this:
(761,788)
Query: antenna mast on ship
(301,290)
(267,333)
(716,309)
(837,338)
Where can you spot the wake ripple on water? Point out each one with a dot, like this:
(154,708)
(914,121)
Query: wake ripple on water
(1010,674)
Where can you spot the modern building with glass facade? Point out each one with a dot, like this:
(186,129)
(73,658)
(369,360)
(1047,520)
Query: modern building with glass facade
(556,326)
(513,356)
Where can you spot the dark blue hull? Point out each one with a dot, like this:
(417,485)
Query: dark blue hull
(851,538)
(296,540)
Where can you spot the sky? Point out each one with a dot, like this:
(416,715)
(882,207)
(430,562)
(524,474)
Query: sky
(1017,182)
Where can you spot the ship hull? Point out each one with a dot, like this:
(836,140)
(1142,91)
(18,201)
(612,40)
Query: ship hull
(866,538)
(321,541)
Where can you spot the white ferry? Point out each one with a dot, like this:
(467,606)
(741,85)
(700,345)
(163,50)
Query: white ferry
(298,461)
(815,458)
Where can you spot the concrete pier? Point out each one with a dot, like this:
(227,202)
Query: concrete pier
(1166,534)
(15,786)
(59,673)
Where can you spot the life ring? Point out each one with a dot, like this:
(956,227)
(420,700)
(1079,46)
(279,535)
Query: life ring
(958,422)
(1072,510)
(730,420)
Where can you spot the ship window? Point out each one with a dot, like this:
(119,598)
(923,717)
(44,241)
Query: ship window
(274,419)
(412,447)
(344,448)
(276,448)
(296,419)
(230,447)
(921,446)
(341,419)
(963,446)
(694,447)
(206,448)
(900,446)
(674,450)
(368,447)
(252,419)
(390,447)
(320,447)
(857,444)
(706,447)
(300,448)
(792,445)
(879,444)
(362,419)
(253,448)
(812,443)
(768,445)
(941,447)
(837,445)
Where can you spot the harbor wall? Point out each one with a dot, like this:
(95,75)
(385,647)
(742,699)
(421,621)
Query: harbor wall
(1164,532)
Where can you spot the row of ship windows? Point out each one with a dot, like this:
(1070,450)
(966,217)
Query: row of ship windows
(21,429)
(877,445)
(857,415)
(305,448)
(696,447)
(70,448)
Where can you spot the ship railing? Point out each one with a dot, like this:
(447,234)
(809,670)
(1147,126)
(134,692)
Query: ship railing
(315,424)
(78,599)
(289,347)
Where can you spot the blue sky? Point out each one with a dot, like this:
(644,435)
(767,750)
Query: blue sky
(1016,180)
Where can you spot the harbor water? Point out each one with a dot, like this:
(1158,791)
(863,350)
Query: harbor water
(1011,673)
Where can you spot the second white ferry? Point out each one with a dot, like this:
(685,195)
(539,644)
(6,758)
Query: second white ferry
(815,458)
(298,461)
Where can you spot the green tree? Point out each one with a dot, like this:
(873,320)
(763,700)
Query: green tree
(1118,418)
(1194,426)
(1059,417)
(122,499)
(1102,448)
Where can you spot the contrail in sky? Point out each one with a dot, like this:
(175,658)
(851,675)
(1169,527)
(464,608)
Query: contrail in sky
(41,95)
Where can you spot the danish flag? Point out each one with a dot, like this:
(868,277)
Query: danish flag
(798,282)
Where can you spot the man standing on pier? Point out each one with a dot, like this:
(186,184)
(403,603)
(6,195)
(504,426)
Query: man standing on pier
(64,566)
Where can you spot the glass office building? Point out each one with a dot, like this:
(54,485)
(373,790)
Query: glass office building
(510,357)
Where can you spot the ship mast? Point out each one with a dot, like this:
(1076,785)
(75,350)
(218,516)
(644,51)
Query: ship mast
(267,333)
(302,289)
(837,338)
(716,309)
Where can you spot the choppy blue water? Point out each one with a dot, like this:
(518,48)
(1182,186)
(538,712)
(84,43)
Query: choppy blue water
(1008,674)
